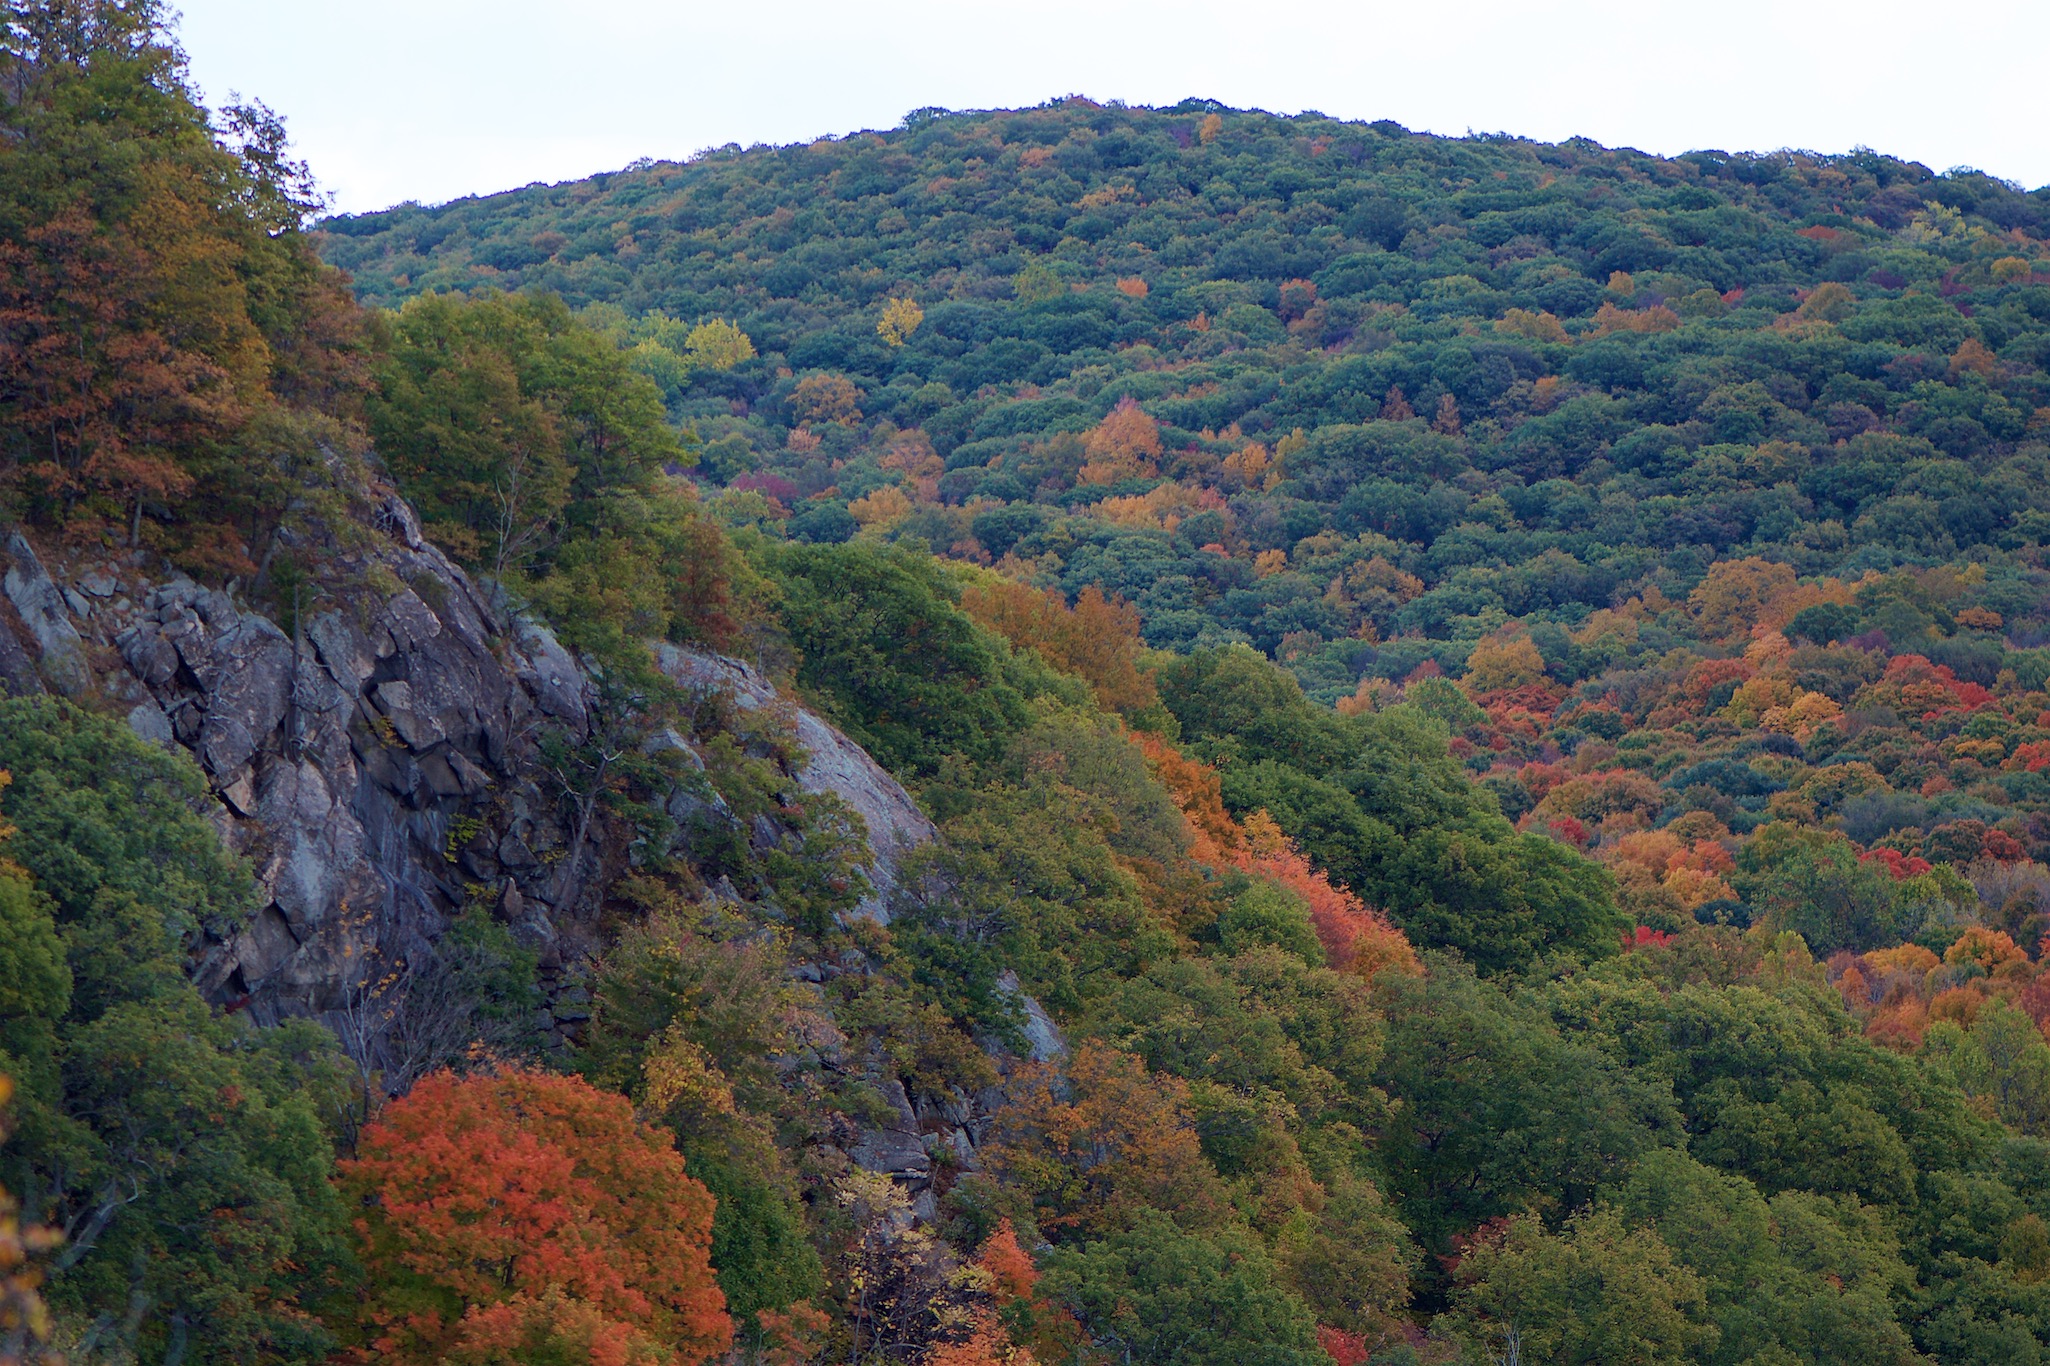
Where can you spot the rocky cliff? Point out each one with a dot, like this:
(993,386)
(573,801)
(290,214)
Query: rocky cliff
(373,755)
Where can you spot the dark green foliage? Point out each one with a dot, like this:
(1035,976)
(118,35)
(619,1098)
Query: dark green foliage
(1651,363)
(902,670)
(1334,407)
(1378,800)
(1027,877)
(1499,1108)
(1267,914)
(181,1153)
(1812,1275)
(509,424)
(111,829)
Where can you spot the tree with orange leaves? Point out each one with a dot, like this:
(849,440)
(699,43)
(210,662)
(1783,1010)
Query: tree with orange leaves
(528,1216)
(1097,639)
(1016,1326)
(1093,1143)
(1124,445)
(156,294)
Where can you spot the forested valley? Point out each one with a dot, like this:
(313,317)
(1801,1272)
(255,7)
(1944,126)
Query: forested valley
(1079,736)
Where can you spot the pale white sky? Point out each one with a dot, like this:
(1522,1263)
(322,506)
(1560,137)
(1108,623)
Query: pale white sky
(434,99)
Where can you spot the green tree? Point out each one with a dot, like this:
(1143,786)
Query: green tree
(181,1154)
(1496,1108)
(1157,1294)
(1811,882)
(510,424)
(1378,801)
(690,1022)
(902,669)
(1807,1276)
(1595,1294)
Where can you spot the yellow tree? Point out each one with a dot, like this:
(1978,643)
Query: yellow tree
(900,319)
(1501,662)
(1734,596)
(717,345)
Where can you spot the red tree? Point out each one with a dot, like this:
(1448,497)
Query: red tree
(531,1214)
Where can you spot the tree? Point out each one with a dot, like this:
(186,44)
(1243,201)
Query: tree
(1157,1293)
(689,1024)
(25,1324)
(826,398)
(523,1208)
(1806,1276)
(1124,445)
(485,463)
(1813,883)
(901,317)
(158,303)
(510,424)
(1351,1262)
(1096,639)
(1497,664)
(1738,595)
(717,345)
(906,673)
(1596,1294)
(106,389)
(1102,1142)
(1496,1106)
(181,1154)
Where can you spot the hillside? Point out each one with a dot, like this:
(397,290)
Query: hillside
(1107,736)
(1693,469)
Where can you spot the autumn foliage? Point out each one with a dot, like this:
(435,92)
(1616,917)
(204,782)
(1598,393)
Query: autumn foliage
(1356,938)
(1100,1139)
(1125,445)
(1097,639)
(524,1216)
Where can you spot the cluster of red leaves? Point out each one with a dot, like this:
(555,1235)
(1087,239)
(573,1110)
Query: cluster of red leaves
(1902,866)
(520,1214)
(2033,757)
(1570,830)
(1540,778)
(1915,687)
(1344,1349)
(1645,937)
(1019,1326)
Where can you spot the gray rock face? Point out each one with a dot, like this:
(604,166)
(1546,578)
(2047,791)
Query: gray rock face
(41,607)
(833,763)
(895,1147)
(377,764)
(1043,1039)
(344,757)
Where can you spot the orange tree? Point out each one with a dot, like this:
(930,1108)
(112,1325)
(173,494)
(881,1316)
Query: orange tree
(534,1214)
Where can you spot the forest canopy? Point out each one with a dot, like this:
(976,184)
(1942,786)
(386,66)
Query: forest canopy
(1481,707)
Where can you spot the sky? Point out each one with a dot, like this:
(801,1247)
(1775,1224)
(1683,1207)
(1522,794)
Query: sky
(433,100)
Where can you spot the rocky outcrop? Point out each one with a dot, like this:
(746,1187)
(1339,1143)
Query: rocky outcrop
(376,758)
(832,763)
(345,755)
(377,761)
